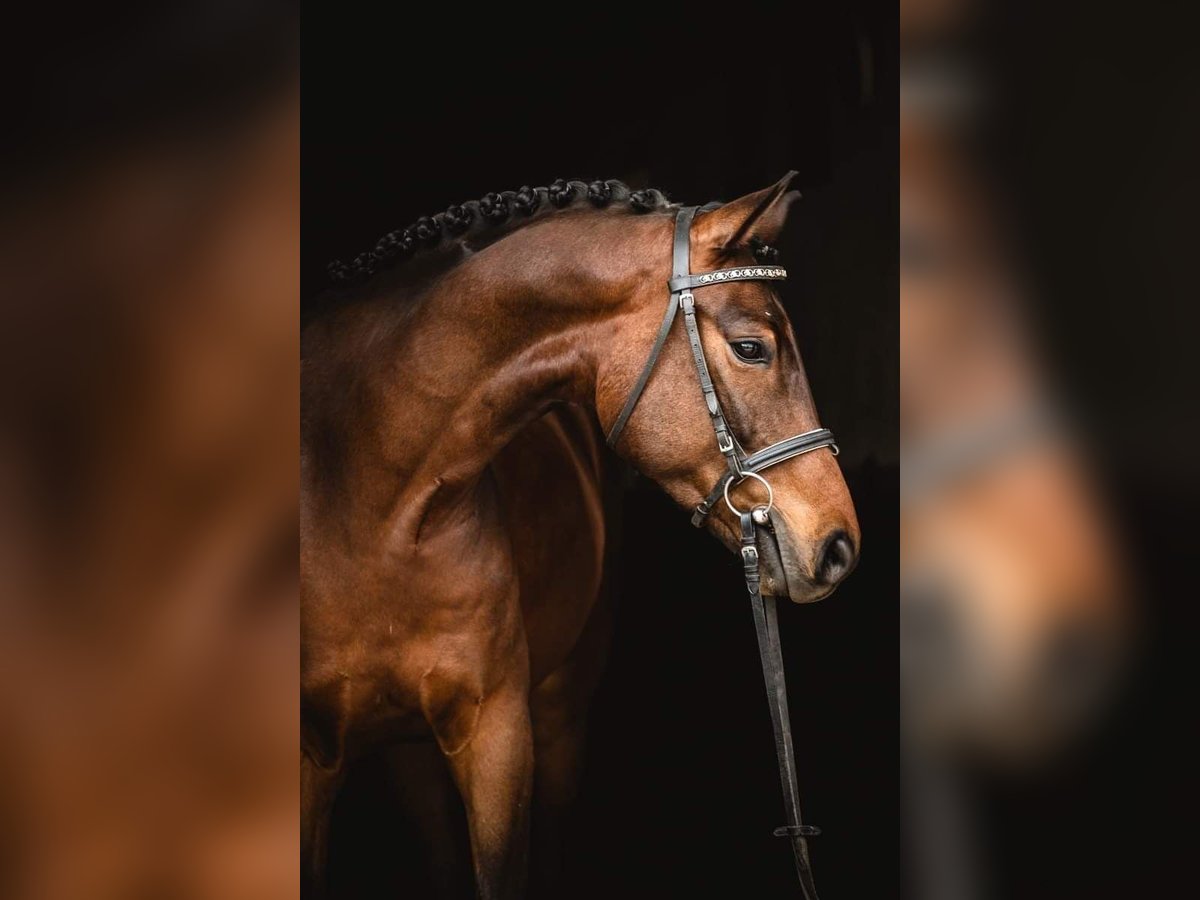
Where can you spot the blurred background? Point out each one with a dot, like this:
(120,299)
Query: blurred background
(1048,197)
(680,793)
(149,263)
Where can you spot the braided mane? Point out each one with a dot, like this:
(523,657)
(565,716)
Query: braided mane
(486,216)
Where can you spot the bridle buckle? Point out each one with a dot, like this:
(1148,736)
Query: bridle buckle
(724,441)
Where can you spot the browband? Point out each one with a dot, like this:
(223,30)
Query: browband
(681,284)
(738,273)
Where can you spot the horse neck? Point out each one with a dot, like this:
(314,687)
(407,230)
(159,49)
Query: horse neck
(446,381)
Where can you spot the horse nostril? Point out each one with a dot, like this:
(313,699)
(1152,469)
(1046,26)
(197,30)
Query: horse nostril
(835,559)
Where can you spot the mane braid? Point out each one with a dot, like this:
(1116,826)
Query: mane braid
(477,218)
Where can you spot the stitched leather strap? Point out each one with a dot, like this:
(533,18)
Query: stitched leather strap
(762,459)
(682,265)
(725,441)
(766,628)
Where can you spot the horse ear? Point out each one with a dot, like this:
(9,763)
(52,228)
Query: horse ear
(759,215)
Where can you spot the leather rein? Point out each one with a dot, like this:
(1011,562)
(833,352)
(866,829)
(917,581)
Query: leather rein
(741,466)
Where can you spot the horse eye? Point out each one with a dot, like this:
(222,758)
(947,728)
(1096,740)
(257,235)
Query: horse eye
(750,351)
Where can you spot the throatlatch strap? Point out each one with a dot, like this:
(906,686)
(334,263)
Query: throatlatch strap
(680,263)
(766,627)
(631,401)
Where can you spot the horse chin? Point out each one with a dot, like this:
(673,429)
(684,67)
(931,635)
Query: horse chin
(782,575)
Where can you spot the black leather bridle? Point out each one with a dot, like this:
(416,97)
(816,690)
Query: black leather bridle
(741,466)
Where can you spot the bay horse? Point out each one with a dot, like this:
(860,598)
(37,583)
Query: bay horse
(435,601)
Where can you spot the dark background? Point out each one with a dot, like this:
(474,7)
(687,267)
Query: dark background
(1102,138)
(680,792)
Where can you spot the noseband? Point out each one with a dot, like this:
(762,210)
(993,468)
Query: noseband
(741,466)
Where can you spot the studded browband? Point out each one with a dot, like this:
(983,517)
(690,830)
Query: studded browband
(681,285)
